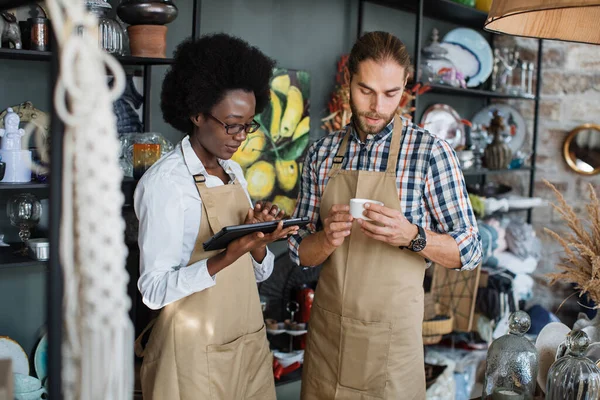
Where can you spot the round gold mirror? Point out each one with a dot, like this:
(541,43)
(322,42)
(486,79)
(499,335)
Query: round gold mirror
(581,149)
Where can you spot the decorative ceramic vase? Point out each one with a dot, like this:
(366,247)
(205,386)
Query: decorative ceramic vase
(497,155)
(483,5)
(511,363)
(147,12)
(147,30)
(18,161)
(148,40)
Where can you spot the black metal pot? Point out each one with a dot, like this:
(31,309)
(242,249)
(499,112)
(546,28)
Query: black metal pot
(2,169)
(147,12)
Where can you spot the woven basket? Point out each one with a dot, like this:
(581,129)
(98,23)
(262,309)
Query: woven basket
(433,330)
(442,327)
(429,340)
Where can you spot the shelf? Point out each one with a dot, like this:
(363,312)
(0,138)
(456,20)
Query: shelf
(450,11)
(30,55)
(444,10)
(24,186)
(127,186)
(8,258)
(442,89)
(484,171)
(130,60)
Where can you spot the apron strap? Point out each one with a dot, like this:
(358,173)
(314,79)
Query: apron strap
(392,162)
(208,202)
(138,346)
(340,155)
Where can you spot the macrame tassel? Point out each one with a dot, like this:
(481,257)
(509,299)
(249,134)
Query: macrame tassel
(98,335)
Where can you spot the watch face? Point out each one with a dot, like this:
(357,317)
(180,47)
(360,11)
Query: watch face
(418,244)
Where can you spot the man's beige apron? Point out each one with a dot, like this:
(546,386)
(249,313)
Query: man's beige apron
(364,338)
(212,344)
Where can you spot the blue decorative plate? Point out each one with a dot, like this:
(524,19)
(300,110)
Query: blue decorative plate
(40,359)
(468,45)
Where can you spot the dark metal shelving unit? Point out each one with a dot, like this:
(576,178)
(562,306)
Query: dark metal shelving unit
(31,55)
(55,275)
(449,11)
(444,10)
(10,259)
(441,89)
(487,172)
(24,186)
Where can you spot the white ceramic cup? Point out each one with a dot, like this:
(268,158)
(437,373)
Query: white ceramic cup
(357,207)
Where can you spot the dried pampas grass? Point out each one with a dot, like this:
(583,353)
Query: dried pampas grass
(581,263)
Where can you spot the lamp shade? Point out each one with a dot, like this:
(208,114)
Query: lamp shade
(569,20)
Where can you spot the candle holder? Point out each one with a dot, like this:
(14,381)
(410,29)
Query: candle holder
(24,211)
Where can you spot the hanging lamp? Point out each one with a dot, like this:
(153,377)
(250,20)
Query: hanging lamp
(568,20)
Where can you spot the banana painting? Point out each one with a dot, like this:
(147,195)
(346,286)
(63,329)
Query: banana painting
(276,116)
(293,112)
(272,156)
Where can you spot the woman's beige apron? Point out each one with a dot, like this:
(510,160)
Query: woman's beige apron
(364,338)
(212,344)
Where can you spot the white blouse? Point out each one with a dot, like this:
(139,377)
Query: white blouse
(168,207)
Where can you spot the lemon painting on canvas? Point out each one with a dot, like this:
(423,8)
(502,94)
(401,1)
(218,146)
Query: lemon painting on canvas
(272,156)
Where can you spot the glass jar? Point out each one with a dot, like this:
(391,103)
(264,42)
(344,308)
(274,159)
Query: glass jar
(512,363)
(110,33)
(574,376)
(435,67)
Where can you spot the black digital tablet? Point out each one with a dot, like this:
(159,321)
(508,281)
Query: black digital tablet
(228,234)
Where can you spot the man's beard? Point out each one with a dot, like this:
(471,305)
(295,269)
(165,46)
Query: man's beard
(363,126)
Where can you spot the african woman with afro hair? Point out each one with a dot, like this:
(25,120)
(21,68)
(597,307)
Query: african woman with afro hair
(209,340)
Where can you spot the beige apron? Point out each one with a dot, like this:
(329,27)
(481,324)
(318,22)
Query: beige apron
(212,344)
(364,339)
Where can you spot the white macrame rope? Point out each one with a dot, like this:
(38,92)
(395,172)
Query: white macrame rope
(98,334)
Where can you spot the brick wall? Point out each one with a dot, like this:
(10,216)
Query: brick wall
(570,96)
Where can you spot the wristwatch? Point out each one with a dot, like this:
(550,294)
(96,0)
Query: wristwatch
(419,242)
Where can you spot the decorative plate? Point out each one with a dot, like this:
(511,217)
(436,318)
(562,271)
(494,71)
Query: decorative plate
(463,59)
(40,358)
(472,46)
(443,121)
(11,349)
(513,120)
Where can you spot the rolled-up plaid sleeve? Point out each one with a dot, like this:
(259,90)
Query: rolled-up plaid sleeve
(448,202)
(308,204)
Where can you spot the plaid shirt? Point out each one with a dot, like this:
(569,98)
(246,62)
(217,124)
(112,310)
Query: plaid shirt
(430,184)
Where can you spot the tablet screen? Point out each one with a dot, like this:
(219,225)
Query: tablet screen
(228,234)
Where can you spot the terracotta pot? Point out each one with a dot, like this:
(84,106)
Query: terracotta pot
(148,40)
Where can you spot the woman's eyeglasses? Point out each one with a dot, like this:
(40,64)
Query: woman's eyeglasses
(235,129)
